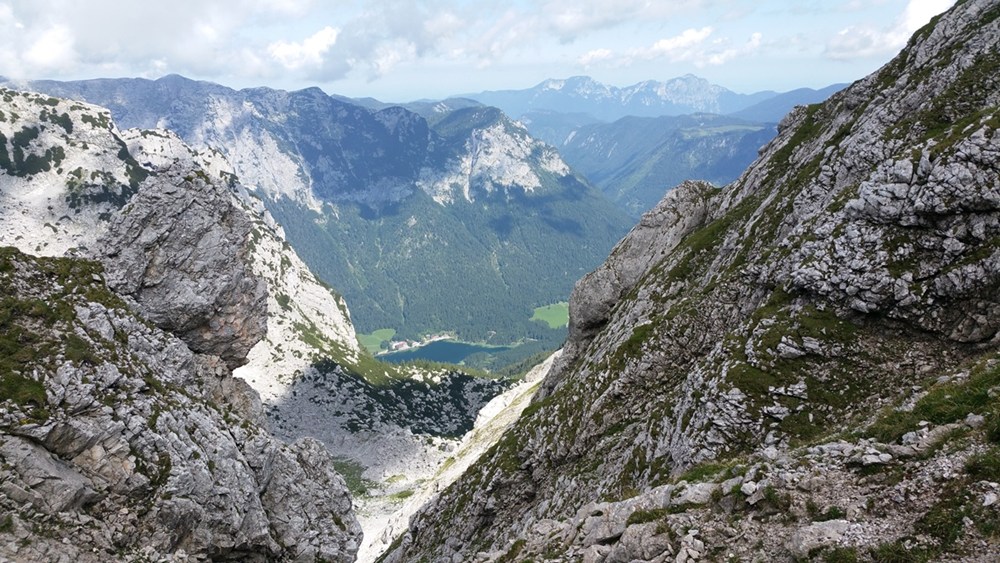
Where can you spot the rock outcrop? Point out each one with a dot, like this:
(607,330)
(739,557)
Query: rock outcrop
(117,442)
(180,249)
(684,209)
(840,295)
(120,439)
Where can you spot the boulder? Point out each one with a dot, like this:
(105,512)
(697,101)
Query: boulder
(179,250)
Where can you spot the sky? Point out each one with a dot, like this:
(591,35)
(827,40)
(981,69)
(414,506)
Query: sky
(403,50)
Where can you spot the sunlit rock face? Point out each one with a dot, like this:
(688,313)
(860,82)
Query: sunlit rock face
(179,248)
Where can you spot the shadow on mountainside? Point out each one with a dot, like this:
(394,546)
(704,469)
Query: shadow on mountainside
(327,395)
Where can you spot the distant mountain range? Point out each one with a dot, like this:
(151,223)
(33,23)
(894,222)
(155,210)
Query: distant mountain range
(635,143)
(462,222)
(678,96)
(773,109)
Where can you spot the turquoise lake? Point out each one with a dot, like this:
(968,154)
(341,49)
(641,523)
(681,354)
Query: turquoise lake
(446,351)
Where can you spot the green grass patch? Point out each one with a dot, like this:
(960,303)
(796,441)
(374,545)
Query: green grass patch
(373,342)
(841,555)
(22,390)
(943,404)
(632,348)
(985,466)
(897,552)
(831,513)
(555,315)
(945,520)
(643,516)
(993,424)
(79,351)
(703,472)
(352,472)
(514,553)
(402,495)
(700,132)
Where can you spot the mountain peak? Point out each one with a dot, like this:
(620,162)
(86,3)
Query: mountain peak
(180,80)
(649,98)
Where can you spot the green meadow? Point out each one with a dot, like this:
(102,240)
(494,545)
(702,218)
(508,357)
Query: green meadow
(373,342)
(555,315)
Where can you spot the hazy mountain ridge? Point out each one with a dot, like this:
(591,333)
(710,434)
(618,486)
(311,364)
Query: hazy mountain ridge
(635,160)
(772,110)
(582,94)
(802,364)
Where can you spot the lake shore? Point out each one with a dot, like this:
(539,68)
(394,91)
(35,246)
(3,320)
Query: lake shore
(445,350)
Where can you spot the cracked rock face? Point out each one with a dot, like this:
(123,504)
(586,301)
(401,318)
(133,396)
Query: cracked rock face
(115,436)
(660,230)
(179,249)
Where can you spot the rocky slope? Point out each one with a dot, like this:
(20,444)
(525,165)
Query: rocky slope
(491,421)
(802,364)
(307,321)
(124,433)
(119,442)
(393,425)
(87,169)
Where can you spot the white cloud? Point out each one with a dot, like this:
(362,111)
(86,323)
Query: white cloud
(724,56)
(867,41)
(294,43)
(444,24)
(690,46)
(285,7)
(677,48)
(6,15)
(568,19)
(595,56)
(64,39)
(508,32)
(387,56)
(308,52)
(919,12)
(52,50)
(387,33)
(519,28)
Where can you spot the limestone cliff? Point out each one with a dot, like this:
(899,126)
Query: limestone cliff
(65,193)
(800,364)
(123,434)
(179,249)
(119,442)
